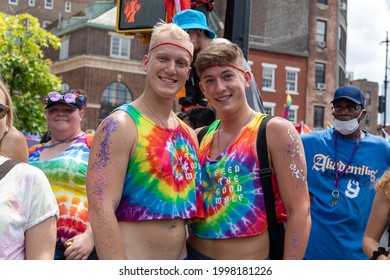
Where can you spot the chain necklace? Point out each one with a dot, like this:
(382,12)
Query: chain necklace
(234,135)
(166,126)
(47,145)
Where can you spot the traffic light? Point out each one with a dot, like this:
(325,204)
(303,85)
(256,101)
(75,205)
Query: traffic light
(382,104)
(138,16)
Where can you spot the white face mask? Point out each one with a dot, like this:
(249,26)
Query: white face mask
(347,127)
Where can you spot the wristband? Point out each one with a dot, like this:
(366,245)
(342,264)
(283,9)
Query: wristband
(380,251)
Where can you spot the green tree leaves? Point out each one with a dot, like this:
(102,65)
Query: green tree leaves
(25,70)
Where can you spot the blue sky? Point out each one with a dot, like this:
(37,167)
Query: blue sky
(368,22)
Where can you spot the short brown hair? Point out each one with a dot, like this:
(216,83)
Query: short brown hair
(219,54)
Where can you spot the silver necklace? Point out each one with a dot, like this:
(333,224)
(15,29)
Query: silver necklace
(234,135)
(156,115)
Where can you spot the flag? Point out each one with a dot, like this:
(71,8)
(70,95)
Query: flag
(287,106)
(302,128)
(174,6)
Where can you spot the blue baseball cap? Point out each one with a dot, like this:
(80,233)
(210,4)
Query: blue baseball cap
(349,92)
(193,19)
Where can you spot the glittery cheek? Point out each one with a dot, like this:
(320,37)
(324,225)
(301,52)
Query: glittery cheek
(297,163)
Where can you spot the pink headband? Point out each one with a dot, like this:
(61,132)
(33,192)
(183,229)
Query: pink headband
(228,65)
(173,44)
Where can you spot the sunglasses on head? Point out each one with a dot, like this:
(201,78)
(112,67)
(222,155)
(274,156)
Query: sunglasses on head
(4,109)
(71,97)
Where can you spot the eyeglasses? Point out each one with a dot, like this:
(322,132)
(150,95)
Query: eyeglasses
(71,97)
(350,109)
(4,109)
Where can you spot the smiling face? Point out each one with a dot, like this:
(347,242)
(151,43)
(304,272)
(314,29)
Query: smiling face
(224,87)
(167,65)
(63,121)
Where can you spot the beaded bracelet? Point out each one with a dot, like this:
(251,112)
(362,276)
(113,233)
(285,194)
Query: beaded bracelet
(380,251)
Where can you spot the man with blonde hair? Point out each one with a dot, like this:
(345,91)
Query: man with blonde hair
(143,179)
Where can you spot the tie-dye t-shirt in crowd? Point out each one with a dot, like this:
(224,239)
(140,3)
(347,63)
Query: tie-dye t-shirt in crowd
(163,176)
(67,175)
(232,192)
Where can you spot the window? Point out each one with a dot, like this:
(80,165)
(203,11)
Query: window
(325,2)
(113,96)
(45,24)
(293,114)
(31,3)
(342,40)
(68,7)
(269,77)
(320,73)
(269,108)
(367,96)
(367,119)
(13,2)
(342,77)
(65,86)
(318,117)
(292,79)
(120,46)
(49,4)
(321,31)
(64,50)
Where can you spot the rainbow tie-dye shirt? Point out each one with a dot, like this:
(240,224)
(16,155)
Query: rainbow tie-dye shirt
(67,175)
(232,192)
(163,176)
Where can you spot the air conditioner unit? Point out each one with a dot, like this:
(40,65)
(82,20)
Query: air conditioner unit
(343,6)
(321,44)
(321,86)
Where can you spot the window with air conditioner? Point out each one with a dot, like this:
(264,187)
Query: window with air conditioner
(321,44)
(321,86)
(343,6)
(320,74)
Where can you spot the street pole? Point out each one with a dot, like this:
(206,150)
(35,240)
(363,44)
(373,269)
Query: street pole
(385,82)
(237,22)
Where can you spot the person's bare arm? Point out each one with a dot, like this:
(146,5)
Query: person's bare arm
(377,223)
(287,159)
(14,145)
(41,240)
(109,157)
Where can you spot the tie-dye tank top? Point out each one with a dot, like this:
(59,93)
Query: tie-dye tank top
(232,192)
(163,176)
(67,175)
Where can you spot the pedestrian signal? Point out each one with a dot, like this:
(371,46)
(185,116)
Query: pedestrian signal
(138,16)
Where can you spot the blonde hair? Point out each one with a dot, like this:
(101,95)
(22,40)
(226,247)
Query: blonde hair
(8,102)
(383,185)
(219,54)
(162,28)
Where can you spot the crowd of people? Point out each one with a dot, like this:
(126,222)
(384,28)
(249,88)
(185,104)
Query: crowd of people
(142,186)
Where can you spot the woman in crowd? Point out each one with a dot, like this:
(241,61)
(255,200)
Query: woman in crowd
(28,229)
(379,221)
(64,160)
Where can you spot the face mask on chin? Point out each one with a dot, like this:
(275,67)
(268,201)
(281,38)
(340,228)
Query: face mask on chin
(347,127)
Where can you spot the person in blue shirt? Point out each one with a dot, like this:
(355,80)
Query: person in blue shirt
(343,164)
